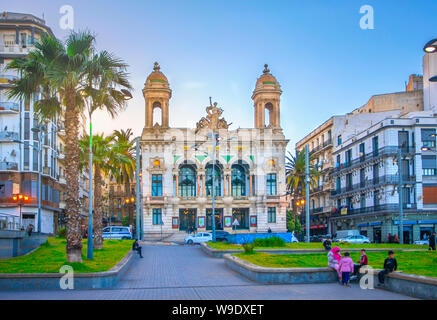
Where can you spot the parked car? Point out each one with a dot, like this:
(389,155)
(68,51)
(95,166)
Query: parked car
(341,234)
(221,235)
(198,238)
(117,232)
(422,242)
(355,239)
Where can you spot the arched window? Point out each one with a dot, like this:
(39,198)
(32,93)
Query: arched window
(187,181)
(157,113)
(217,180)
(238,181)
(268,112)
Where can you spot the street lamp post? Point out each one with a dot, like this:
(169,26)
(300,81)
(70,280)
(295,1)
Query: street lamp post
(41,136)
(213,185)
(307,192)
(138,188)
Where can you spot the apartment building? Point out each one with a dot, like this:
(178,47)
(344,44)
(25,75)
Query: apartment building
(366,178)
(22,136)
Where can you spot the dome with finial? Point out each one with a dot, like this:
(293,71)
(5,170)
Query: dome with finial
(156,78)
(267,80)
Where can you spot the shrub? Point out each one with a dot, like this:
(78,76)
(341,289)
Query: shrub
(62,232)
(248,247)
(270,242)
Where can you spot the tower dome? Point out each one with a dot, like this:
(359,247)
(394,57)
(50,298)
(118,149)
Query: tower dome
(156,78)
(267,81)
(266,96)
(157,94)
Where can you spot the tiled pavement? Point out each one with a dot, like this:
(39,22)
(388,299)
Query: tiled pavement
(184,272)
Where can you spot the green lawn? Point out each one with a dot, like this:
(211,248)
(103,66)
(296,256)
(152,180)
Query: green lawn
(318,245)
(51,256)
(415,262)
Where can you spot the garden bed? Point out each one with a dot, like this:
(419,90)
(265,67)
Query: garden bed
(51,256)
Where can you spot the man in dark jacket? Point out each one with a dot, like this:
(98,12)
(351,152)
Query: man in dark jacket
(136,247)
(432,241)
(327,244)
(390,265)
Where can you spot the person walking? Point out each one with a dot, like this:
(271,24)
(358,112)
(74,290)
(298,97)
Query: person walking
(390,265)
(432,241)
(396,238)
(346,266)
(137,247)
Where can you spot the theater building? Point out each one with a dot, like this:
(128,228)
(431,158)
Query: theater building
(178,174)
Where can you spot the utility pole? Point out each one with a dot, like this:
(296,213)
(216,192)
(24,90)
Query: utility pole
(401,200)
(213,184)
(307,193)
(137,177)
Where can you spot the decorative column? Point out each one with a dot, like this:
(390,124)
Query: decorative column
(203,185)
(230,185)
(250,185)
(198,185)
(224,185)
(177,185)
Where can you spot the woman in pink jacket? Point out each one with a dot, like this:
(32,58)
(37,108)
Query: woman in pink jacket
(346,267)
(334,257)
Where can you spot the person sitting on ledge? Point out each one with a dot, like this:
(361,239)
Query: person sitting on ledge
(390,265)
(136,247)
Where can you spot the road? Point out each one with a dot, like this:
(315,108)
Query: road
(185,272)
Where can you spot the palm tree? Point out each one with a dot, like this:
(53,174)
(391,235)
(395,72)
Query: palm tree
(102,153)
(61,73)
(124,144)
(295,174)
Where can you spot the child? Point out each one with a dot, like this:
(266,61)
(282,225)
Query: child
(362,262)
(346,267)
(390,265)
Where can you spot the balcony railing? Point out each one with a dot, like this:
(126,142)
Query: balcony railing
(375,209)
(5,166)
(8,135)
(15,49)
(7,78)
(377,181)
(316,210)
(382,152)
(9,106)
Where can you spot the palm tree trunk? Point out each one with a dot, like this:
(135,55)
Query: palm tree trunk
(98,214)
(73,235)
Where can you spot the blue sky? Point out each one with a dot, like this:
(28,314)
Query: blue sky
(325,63)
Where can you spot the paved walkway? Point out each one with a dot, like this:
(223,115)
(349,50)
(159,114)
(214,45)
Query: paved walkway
(185,272)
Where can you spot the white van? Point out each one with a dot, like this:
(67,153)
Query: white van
(117,232)
(341,234)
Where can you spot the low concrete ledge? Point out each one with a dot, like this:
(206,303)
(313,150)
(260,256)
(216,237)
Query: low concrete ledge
(279,275)
(50,281)
(218,253)
(412,285)
(409,284)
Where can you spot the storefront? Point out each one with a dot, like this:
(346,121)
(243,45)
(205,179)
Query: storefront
(218,219)
(241,215)
(187,219)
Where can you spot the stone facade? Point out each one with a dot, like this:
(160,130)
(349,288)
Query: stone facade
(177,167)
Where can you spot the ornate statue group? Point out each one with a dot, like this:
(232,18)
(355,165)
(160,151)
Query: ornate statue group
(212,119)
